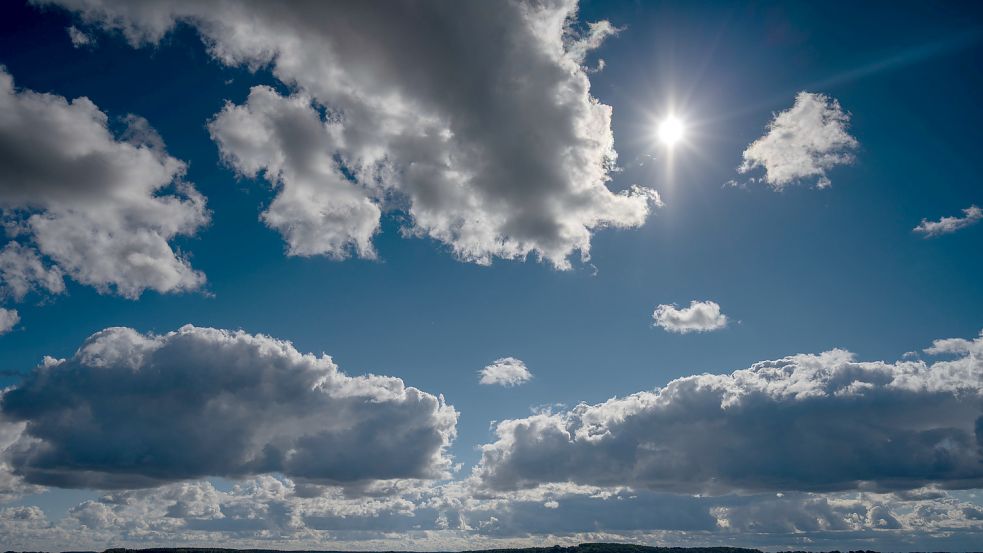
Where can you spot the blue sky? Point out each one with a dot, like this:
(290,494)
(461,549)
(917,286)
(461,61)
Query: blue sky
(796,270)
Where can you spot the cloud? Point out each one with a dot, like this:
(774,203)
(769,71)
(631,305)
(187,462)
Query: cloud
(827,515)
(700,316)
(496,152)
(101,209)
(136,410)
(275,510)
(12,486)
(947,225)
(78,38)
(507,371)
(8,319)
(803,513)
(318,210)
(802,142)
(804,422)
(22,270)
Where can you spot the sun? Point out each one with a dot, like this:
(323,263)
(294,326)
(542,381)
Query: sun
(671,130)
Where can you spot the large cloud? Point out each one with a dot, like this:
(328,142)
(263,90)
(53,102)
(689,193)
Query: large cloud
(805,422)
(803,142)
(135,410)
(474,117)
(95,205)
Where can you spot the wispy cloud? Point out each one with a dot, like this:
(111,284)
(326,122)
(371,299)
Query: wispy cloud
(947,225)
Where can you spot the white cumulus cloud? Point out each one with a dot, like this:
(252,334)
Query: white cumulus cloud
(700,316)
(318,210)
(803,142)
(507,371)
(496,152)
(101,209)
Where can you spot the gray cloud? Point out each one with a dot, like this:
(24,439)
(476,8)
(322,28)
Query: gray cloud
(98,207)
(802,513)
(700,316)
(475,118)
(804,422)
(135,410)
(947,225)
(802,142)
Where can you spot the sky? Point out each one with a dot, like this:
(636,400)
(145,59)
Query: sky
(436,276)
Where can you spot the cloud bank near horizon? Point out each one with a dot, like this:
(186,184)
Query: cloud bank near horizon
(817,445)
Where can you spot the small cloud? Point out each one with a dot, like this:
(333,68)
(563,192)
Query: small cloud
(700,316)
(79,39)
(507,371)
(8,319)
(948,225)
(802,142)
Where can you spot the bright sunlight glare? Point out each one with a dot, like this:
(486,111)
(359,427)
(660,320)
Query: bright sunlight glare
(671,131)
